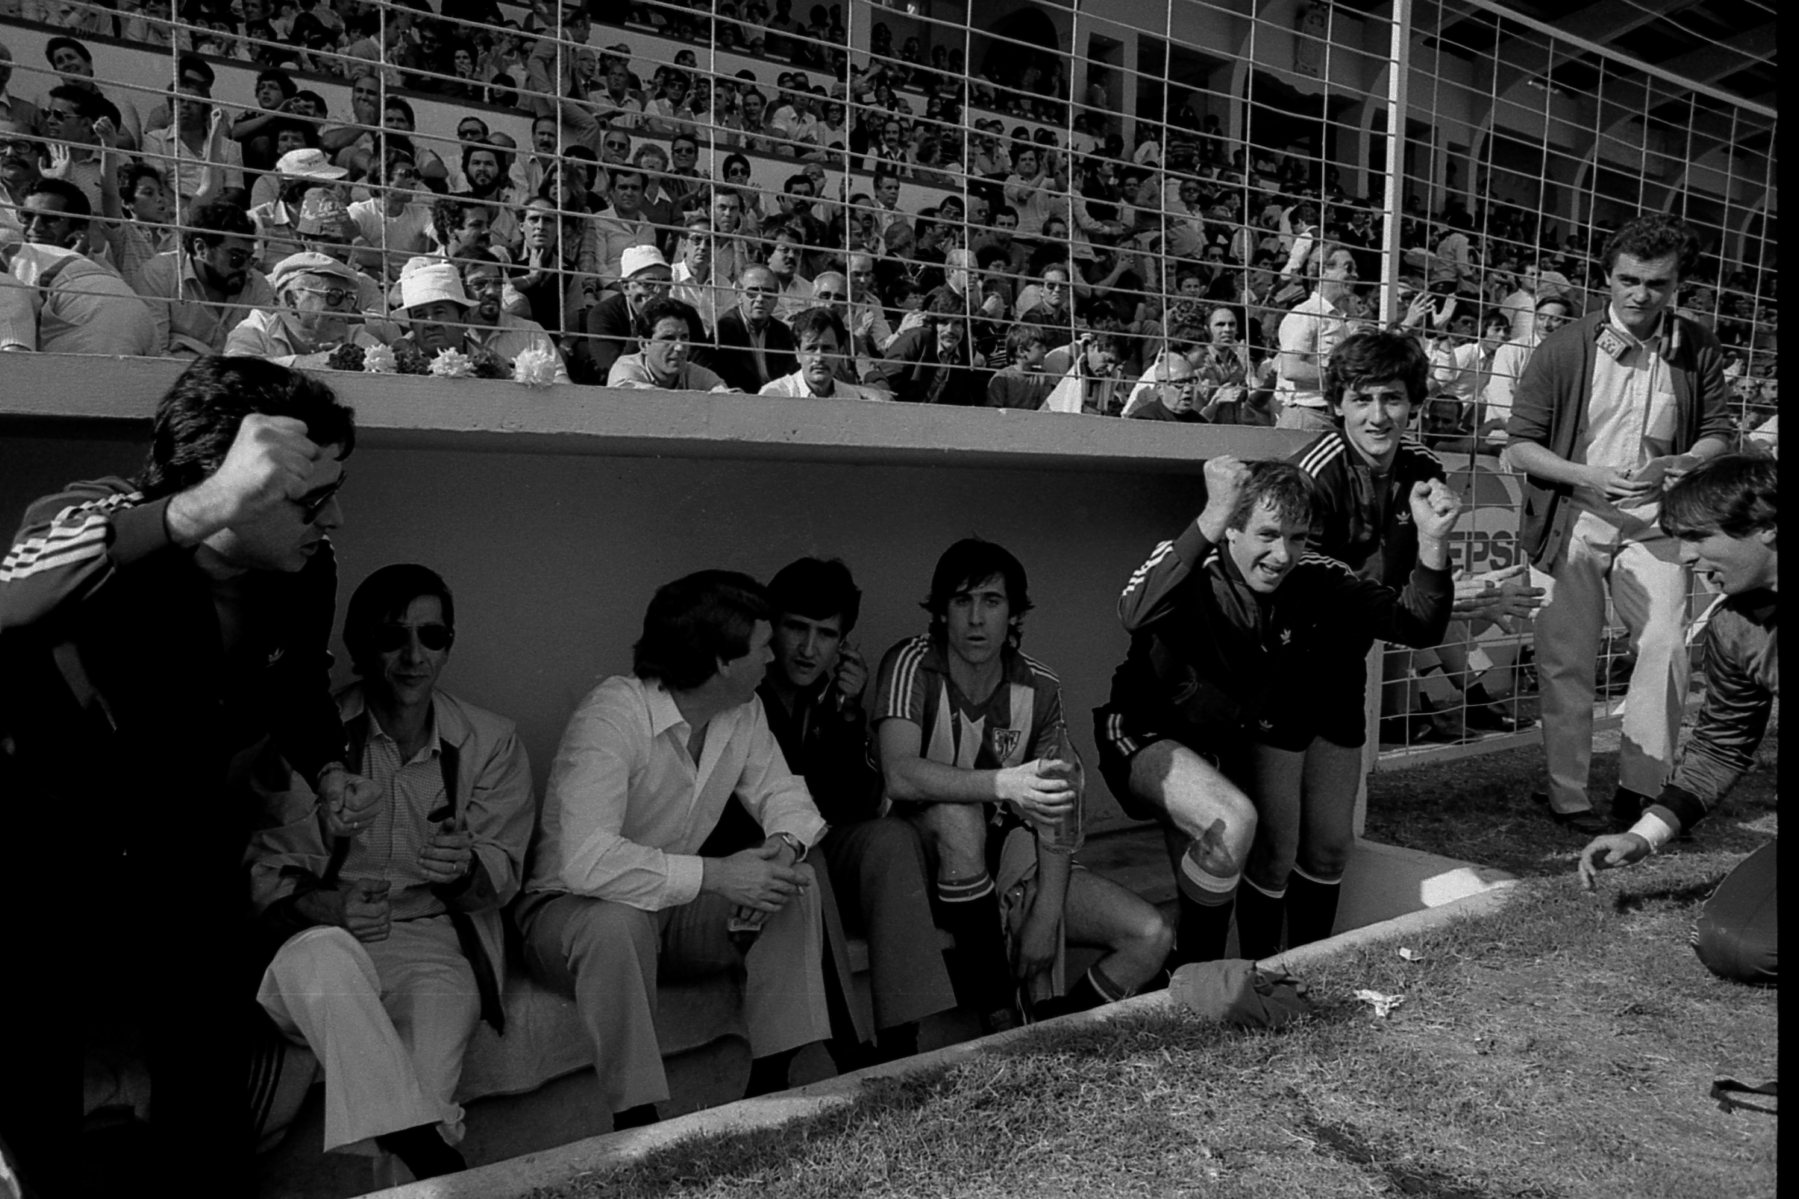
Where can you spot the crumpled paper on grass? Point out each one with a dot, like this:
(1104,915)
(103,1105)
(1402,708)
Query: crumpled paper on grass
(1383,1004)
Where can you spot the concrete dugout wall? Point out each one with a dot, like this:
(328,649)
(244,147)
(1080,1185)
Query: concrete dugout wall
(555,514)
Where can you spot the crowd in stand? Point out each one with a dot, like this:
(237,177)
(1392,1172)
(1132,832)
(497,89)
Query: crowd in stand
(1185,277)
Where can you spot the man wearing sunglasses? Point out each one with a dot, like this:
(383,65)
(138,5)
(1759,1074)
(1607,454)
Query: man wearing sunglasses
(395,956)
(316,311)
(151,631)
(199,293)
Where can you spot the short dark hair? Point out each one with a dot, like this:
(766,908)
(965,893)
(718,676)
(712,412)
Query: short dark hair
(818,319)
(280,79)
(75,201)
(817,589)
(135,174)
(970,561)
(198,418)
(664,308)
(1286,488)
(1733,494)
(86,103)
(694,623)
(384,596)
(219,219)
(1654,235)
(1376,357)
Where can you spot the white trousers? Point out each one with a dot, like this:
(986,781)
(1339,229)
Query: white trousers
(1648,588)
(388,1020)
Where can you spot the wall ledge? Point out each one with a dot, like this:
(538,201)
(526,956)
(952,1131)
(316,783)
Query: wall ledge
(487,415)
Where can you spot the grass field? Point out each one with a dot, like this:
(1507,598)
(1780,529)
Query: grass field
(1563,1047)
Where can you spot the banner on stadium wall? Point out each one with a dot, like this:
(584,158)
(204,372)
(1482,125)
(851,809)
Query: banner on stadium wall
(1486,538)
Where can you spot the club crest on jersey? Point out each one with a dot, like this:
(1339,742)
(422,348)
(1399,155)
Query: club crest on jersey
(1005,742)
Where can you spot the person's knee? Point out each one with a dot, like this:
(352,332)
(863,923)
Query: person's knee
(888,846)
(321,963)
(958,832)
(1730,955)
(1325,858)
(596,927)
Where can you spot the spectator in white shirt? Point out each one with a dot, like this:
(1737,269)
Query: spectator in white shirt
(195,143)
(1309,333)
(622,224)
(394,222)
(620,888)
(1552,312)
(785,246)
(64,302)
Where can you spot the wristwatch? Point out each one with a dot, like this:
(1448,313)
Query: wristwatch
(800,848)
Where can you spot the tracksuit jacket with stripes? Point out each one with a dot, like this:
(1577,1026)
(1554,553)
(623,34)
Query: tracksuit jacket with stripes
(1214,661)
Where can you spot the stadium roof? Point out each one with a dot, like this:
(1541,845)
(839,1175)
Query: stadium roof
(1730,45)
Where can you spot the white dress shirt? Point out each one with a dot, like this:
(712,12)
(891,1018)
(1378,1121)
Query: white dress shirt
(627,809)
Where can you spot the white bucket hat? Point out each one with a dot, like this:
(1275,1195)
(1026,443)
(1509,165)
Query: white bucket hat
(428,284)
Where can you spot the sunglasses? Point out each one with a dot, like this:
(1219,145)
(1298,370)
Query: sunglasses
(312,505)
(390,638)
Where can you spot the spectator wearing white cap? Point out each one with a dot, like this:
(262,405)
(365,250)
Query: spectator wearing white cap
(612,325)
(316,313)
(59,300)
(300,170)
(622,224)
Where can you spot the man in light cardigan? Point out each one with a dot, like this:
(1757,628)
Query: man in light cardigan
(1610,410)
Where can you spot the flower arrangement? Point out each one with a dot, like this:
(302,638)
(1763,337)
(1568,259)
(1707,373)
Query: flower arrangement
(404,357)
(535,367)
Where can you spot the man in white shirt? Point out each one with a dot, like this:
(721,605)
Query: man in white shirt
(1307,336)
(194,142)
(695,279)
(785,245)
(820,339)
(619,890)
(68,304)
(1508,367)
(394,222)
(622,225)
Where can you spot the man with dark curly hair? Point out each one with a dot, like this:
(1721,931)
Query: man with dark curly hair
(1611,409)
(151,631)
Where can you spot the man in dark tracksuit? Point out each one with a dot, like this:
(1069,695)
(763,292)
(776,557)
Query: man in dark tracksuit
(813,698)
(151,633)
(1362,472)
(1226,622)
(1723,514)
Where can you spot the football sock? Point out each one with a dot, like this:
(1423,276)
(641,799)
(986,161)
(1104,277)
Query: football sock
(1311,907)
(1094,989)
(970,914)
(1260,913)
(1206,900)
(423,1151)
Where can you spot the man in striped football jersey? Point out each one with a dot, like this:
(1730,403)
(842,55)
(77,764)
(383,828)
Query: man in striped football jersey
(972,748)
